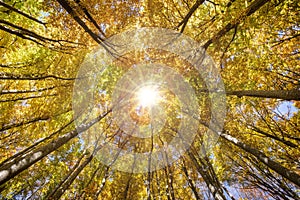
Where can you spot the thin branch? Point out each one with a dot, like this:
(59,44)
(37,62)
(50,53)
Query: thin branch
(232,39)
(31,121)
(26,98)
(5,92)
(24,31)
(287,39)
(19,35)
(249,11)
(70,10)
(184,22)
(21,13)
(6,76)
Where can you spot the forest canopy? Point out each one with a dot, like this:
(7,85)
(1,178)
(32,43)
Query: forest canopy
(148,99)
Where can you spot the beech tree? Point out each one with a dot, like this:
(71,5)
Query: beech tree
(54,129)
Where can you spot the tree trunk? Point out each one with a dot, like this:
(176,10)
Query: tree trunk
(286,173)
(11,169)
(192,185)
(206,171)
(69,180)
(52,192)
(283,171)
(274,94)
(214,188)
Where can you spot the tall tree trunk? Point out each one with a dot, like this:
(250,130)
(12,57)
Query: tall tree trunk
(100,40)
(91,178)
(66,184)
(11,169)
(192,185)
(52,192)
(205,170)
(129,180)
(274,94)
(214,188)
(106,175)
(283,171)
(18,156)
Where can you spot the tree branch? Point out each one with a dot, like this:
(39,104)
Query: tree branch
(190,13)
(21,13)
(249,11)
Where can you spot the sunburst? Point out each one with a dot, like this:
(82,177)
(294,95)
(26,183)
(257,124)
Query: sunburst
(148,96)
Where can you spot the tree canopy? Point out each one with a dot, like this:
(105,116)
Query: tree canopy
(75,95)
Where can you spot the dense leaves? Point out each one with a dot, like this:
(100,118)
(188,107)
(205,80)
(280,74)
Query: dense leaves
(45,150)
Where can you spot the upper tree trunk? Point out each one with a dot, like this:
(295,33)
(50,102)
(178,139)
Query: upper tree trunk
(214,186)
(11,169)
(275,94)
(283,171)
(192,185)
(59,191)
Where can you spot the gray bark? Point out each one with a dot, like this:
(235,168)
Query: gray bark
(283,171)
(10,169)
(274,94)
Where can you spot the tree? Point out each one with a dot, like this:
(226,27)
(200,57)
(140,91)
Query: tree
(51,150)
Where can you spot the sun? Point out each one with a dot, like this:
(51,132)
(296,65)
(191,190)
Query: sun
(148,96)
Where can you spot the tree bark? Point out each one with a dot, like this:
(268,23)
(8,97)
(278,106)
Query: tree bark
(192,185)
(190,13)
(66,184)
(11,169)
(206,171)
(283,171)
(70,10)
(274,94)
(52,192)
(213,187)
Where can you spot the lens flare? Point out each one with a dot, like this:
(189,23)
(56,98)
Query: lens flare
(148,96)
